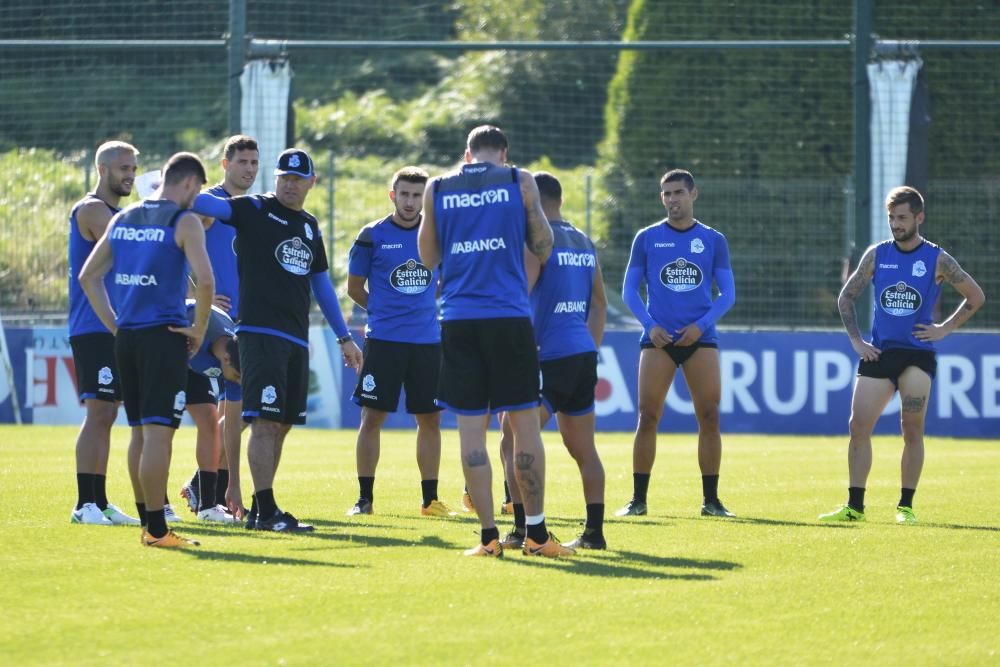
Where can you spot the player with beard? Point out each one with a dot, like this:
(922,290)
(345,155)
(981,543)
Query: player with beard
(93,345)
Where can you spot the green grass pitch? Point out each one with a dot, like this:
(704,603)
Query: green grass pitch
(771,587)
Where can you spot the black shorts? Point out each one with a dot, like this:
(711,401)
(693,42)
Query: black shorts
(679,354)
(568,384)
(275,379)
(390,366)
(892,362)
(96,368)
(153,363)
(488,366)
(200,389)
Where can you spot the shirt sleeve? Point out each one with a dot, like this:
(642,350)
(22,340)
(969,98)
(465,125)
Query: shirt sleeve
(721,258)
(633,279)
(360,258)
(320,262)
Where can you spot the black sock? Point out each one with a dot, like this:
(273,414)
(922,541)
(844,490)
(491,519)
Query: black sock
(266,506)
(221,484)
(166,501)
(519,518)
(194,479)
(84,489)
(487,535)
(100,491)
(856,498)
(206,489)
(429,488)
(156,523)
(595,517)
(710,487)
(367,488)
(640,484)
(906,497)
(538,532)
(506,493)
(141,509)
(253,505)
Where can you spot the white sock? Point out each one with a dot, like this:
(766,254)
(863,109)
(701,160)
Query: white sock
(533,519)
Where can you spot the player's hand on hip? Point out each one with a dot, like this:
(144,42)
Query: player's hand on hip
(194,338)
(353,358)
(866,350)
(222,301)
(929,332)
(659,336)
(689,335)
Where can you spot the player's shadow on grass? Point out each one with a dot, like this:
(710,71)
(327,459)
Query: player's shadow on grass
(959,526)
(685,569)
(761,521)
(257,559)
(356,539)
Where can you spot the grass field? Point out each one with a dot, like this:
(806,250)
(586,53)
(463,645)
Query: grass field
(771,587)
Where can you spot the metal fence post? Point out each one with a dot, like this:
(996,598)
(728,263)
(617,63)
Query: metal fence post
(862,144)
(236,49)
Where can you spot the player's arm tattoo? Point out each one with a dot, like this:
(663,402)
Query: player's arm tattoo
(476,458)
(852,289)
(914,403)
(950,270)
(539,233)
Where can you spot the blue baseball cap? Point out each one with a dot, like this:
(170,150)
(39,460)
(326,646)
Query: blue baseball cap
(294,161)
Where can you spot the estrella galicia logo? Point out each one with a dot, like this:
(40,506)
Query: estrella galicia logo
(410,278)
(681,275)
(105,376)
(900,300)
(919,268)
(294,256)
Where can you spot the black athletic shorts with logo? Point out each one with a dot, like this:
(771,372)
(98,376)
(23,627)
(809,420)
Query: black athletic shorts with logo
(153,367)
(679,354)
(390,366)
(892,362)
(200,389)
(488,366)
(275,378)
(568,384)
(96,368)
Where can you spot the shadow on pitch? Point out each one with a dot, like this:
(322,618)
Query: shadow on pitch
(672,568)
(256,559)
(753,520)
(959,526)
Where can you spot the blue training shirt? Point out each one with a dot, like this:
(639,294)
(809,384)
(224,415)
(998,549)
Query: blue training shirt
(204,362)
(560,299)
(150,270)
(678,267)
(220,241)
(481,226)
(82,318)
(906,289)
(402,292)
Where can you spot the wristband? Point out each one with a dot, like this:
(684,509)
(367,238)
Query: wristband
(344,339)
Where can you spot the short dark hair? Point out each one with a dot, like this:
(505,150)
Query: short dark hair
(905,195)
(678,175)
(548,186)
(489,137)
(233,350)
(239,142)
(181,166)
(410,175)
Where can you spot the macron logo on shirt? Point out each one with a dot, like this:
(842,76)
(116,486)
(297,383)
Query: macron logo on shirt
(584,259)
(476,199)
(152,235)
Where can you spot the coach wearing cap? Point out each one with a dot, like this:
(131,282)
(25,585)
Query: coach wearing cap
(281,262)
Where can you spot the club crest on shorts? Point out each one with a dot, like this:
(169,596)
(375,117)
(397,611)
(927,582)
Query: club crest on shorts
(368,382)
(105,376)
(697,246)
(269,395)
(180,400)
(919,268)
